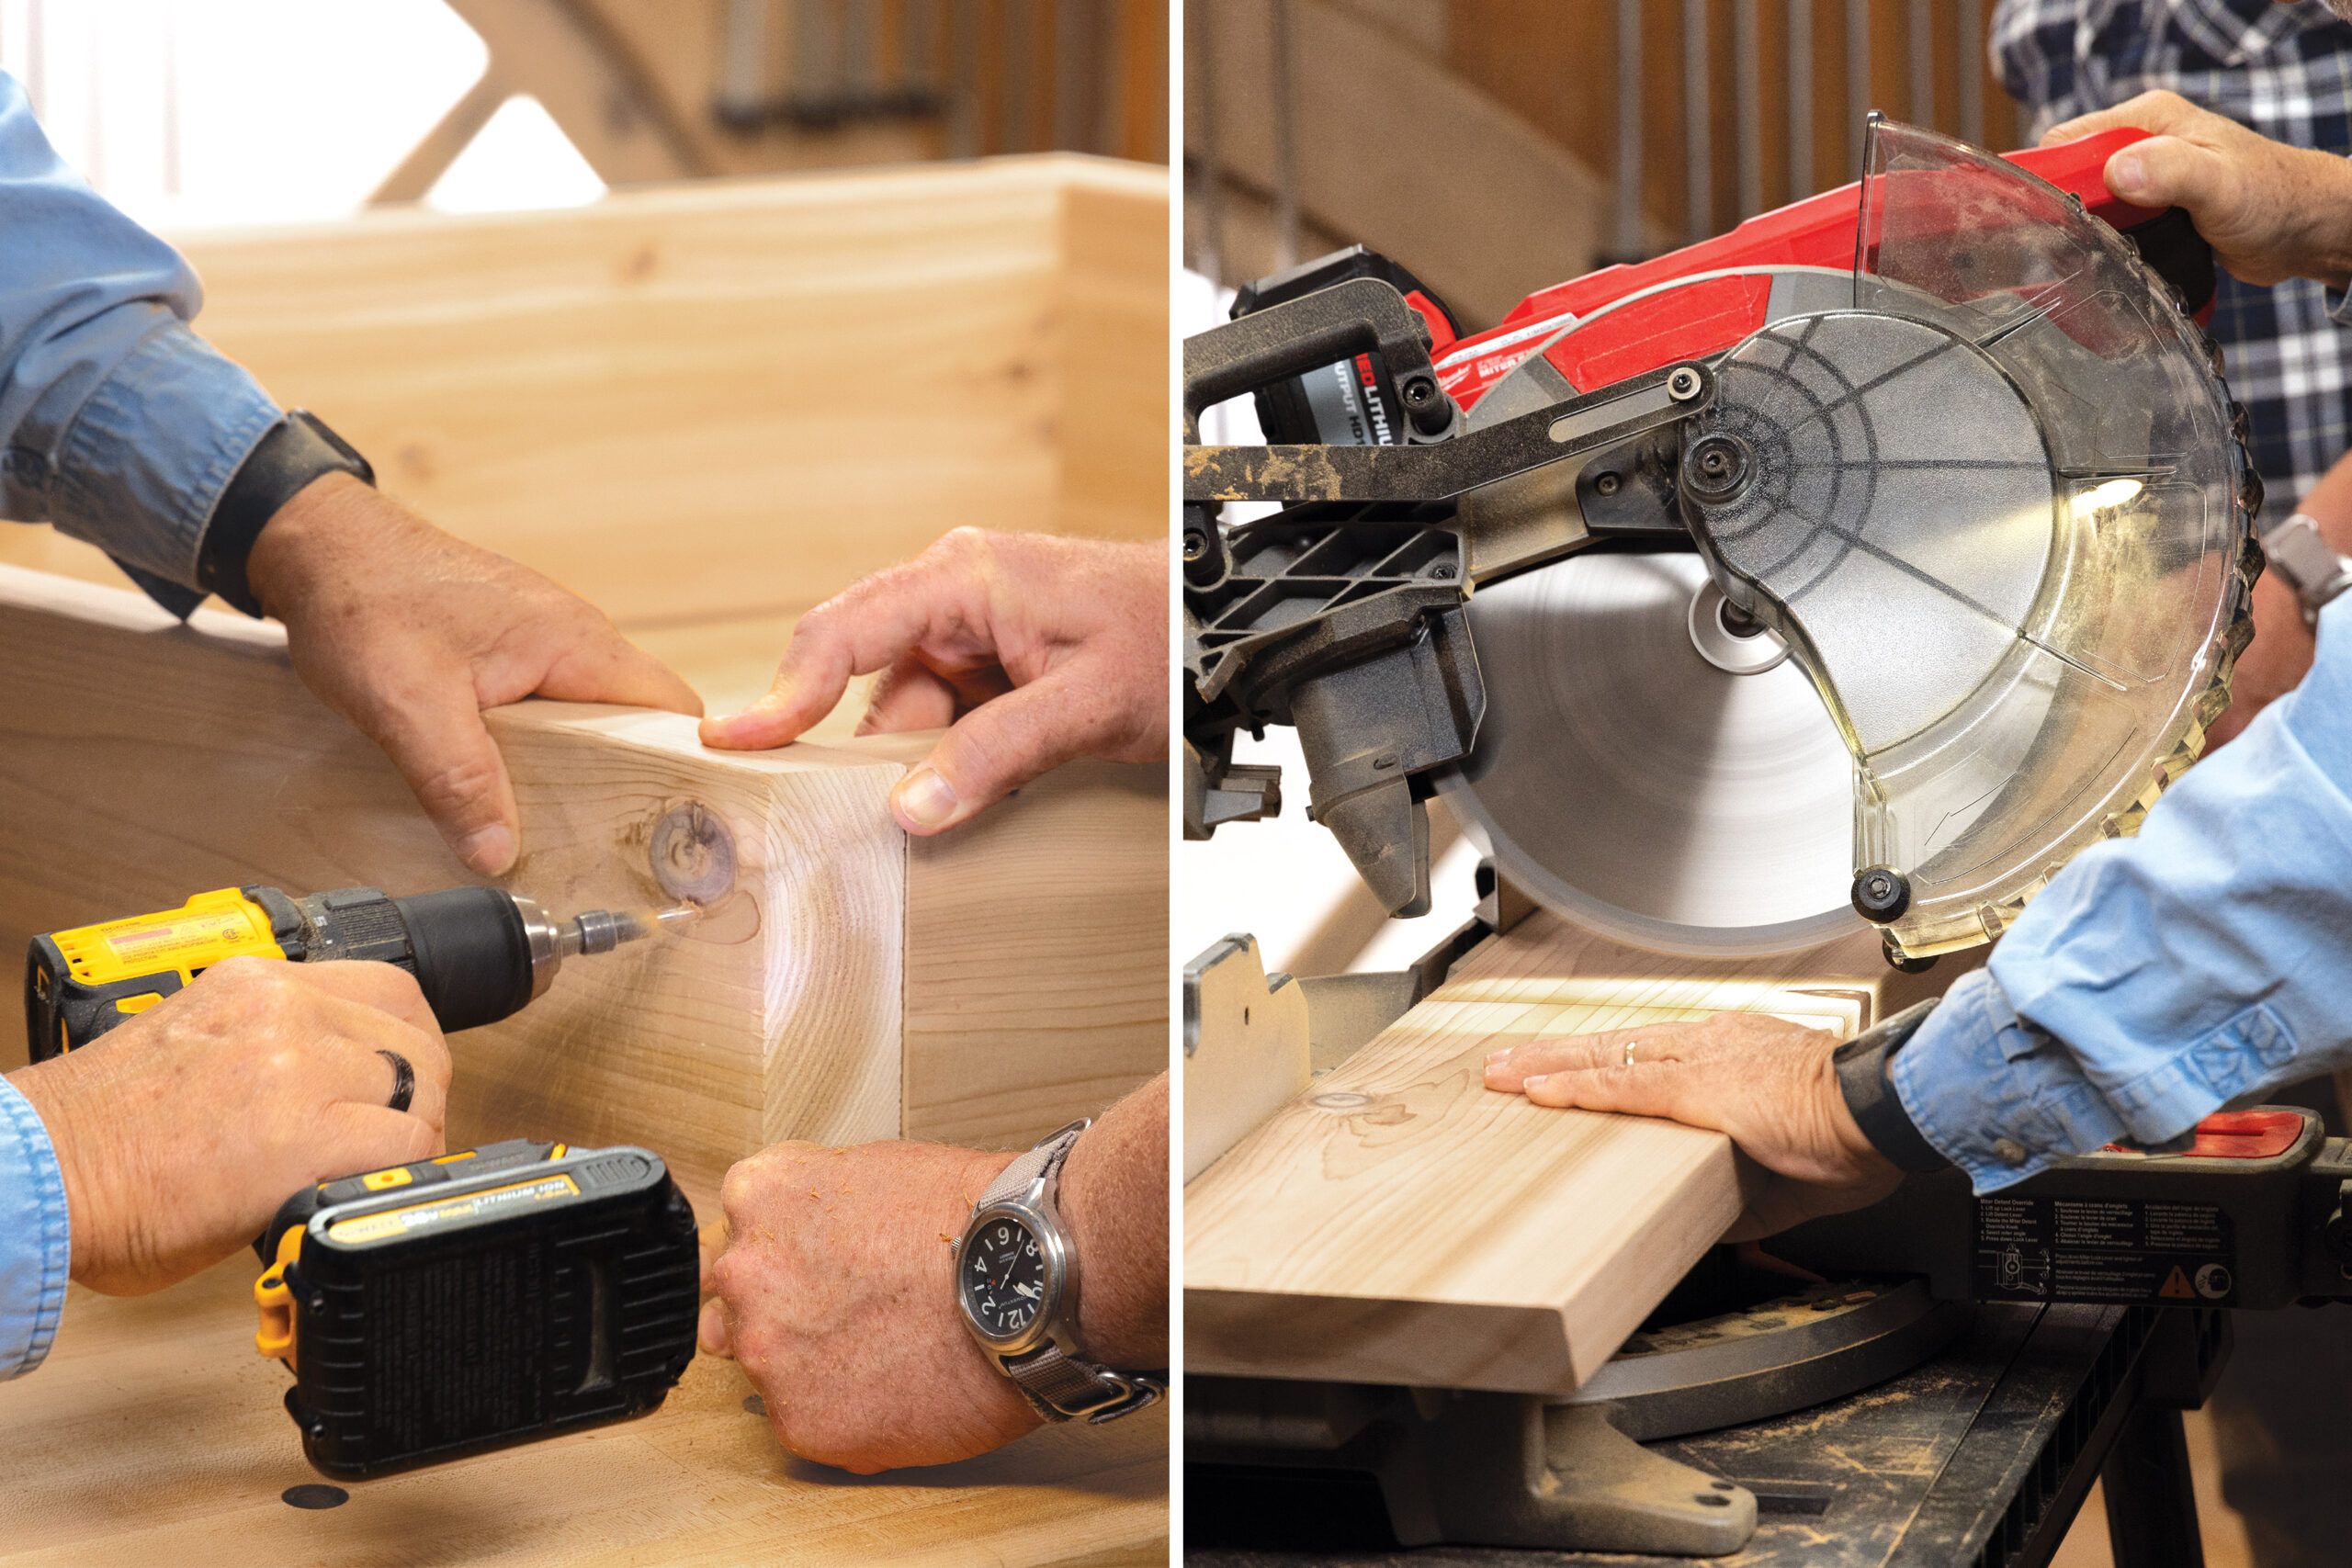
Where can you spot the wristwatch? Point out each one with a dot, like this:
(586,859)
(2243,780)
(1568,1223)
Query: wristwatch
(1877,1110)
(1017,1282)
(2306,562)
(298,449)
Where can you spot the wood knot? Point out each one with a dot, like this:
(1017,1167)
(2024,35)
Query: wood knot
(692,854)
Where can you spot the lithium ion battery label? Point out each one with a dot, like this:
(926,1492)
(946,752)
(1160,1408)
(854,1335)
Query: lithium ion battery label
(2075,1249)
(415,1217)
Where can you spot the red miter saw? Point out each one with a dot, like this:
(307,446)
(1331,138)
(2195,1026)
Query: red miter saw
(1869,560)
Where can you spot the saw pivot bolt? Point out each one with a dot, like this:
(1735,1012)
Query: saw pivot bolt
(1881,895)
(1715,468)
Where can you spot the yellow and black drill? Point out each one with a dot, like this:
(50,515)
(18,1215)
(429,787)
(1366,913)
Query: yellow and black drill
(478,953)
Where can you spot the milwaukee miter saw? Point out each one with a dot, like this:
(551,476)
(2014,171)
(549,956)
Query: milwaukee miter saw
(1871,560)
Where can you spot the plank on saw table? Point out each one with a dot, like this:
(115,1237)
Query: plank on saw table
(1401,1223)
(153,1433)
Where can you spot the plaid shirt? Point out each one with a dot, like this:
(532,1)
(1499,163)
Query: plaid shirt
(2283,70)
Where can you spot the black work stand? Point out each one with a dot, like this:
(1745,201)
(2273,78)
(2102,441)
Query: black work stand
(1982,1455)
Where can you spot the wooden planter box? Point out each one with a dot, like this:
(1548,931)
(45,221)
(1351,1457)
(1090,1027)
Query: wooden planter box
(706,409)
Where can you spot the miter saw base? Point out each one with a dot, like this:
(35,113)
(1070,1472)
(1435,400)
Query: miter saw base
(1730,1346)
(1983,1453)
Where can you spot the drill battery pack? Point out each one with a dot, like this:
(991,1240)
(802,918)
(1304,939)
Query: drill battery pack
(482,1299)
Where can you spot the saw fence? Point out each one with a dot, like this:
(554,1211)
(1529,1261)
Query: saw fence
(706,410)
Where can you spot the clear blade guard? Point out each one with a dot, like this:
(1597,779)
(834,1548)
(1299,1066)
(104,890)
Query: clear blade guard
(2001,512)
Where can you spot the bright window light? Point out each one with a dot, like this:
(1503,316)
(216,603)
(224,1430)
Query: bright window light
(521,159)
(203,113)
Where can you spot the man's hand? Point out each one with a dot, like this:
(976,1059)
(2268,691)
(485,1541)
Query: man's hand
(180,1132)
(409,633)
(835,1274)
(837,1297)
(2270,211)
(1767,1083)
(1035,649)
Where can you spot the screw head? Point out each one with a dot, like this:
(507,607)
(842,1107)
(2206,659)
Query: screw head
(1715,468)
(1609,483)
(1881,895)
(1682,385)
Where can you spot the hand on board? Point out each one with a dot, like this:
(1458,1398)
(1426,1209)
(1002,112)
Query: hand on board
(836,1295)
(1032,649)
(2270,211)
(409,634)
(181,1131)
(1767,1083)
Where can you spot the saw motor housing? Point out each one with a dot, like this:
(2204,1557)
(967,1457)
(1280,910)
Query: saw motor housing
(1940,439)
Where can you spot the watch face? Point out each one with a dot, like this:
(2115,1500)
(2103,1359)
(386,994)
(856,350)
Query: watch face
(1004,1278)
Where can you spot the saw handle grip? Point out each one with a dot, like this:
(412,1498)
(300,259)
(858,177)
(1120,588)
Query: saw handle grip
(1298,336)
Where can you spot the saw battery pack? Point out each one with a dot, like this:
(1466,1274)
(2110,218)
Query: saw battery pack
(1352,401)
(482,1299)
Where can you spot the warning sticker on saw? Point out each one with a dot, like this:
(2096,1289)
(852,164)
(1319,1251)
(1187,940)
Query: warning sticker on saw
(2080,1249)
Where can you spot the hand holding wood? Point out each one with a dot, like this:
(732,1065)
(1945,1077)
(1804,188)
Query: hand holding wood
(411,632)
(179,1132)
(837,1297)
(1767,1083)
(1032,649)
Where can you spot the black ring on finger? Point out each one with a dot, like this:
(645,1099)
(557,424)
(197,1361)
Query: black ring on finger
(403,1081)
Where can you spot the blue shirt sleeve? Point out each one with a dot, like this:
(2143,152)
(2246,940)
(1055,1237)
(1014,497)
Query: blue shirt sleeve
(118,424)
(2157,978)
(36,1240)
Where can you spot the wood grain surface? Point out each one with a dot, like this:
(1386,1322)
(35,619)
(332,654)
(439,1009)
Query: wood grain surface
(1402,1224)
(141,762)
(727,399)
(154,1435)
(1036,998)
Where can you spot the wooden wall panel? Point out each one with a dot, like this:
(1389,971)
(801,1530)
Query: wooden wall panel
(1556,66)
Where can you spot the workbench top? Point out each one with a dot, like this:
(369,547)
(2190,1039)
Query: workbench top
(155,1435)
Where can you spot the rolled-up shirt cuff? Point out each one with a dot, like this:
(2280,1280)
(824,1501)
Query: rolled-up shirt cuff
(1994,1095)
(36,1236)
(149,453)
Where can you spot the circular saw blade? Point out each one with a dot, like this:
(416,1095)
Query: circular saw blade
(1626,782)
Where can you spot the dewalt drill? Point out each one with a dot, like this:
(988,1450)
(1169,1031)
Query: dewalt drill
(478,953)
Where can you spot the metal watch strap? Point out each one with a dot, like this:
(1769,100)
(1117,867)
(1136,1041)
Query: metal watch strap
(1059,1385)
(298,450)
(1878,1110)
(2306,562)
